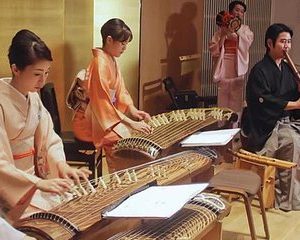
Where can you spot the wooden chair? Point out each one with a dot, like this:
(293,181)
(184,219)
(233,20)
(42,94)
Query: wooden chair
(266,168)
(152,91)
(246,184)
(75,150)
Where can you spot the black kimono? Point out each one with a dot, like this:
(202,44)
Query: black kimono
(271,130)
(267,93)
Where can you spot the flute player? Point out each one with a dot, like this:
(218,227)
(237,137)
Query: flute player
(271,121)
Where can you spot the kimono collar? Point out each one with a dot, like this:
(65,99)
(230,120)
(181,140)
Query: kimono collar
(99,51)
(272,61)
(96,51)
(267,56)
(19,100)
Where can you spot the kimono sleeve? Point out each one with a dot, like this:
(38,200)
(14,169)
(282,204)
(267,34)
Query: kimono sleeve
(16,186)
(245,40)
(106,114)
(246,37)
(49,145)
(123,97)
(215,45)
(268,108)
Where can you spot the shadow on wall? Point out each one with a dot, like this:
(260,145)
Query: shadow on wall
(69,75)
(181,40)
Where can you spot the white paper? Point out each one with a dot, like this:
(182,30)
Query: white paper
(156,201)
(210,138)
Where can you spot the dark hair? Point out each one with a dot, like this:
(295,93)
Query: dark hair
(234,3)
(26,49)
(117,29)
(273,32)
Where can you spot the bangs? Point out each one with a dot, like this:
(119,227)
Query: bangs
(123,35)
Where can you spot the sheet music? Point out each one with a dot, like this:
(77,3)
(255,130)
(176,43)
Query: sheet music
(156,201)
(210,138)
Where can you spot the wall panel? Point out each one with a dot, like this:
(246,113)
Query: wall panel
(169,29)
(66,27)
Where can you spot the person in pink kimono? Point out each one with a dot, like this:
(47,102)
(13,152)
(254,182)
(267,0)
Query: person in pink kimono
(230,52)
(33,169)
(110,113)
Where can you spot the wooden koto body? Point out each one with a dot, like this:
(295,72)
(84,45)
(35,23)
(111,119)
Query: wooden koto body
(194,221)
(83,212)
(169,128)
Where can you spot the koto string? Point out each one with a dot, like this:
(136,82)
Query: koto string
(102,198)
(170,127)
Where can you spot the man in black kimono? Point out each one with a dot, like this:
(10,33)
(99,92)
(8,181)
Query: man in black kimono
(273,105)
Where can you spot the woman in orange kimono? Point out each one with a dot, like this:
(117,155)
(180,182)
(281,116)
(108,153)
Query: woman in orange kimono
(109,101)
(33,169)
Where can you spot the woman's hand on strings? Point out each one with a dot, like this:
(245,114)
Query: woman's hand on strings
(55,185)
(138,114)
(141,115)
(74,174)
(141,126)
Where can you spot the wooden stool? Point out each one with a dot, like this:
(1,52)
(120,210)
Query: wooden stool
(246,184)
(265,167)
(267,175)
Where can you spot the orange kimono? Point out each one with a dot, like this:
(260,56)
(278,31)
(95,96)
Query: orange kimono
(108,102)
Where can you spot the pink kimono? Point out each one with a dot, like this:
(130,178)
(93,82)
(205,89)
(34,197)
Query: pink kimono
(231,64)
(30,149)
(108,102)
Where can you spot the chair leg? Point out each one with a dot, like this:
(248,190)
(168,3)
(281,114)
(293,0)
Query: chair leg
(247,203)
(263,214)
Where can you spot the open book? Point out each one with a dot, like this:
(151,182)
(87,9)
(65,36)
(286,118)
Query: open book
(156,201)
(210,138)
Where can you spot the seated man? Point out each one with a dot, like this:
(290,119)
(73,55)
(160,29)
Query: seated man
(273,104)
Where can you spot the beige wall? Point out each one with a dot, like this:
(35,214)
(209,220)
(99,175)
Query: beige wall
(289,14)
(70,30)
(65,25)
(46,19)
(78,40)
(169,29)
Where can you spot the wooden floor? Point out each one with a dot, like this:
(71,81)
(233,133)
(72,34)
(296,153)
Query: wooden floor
(282,225)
